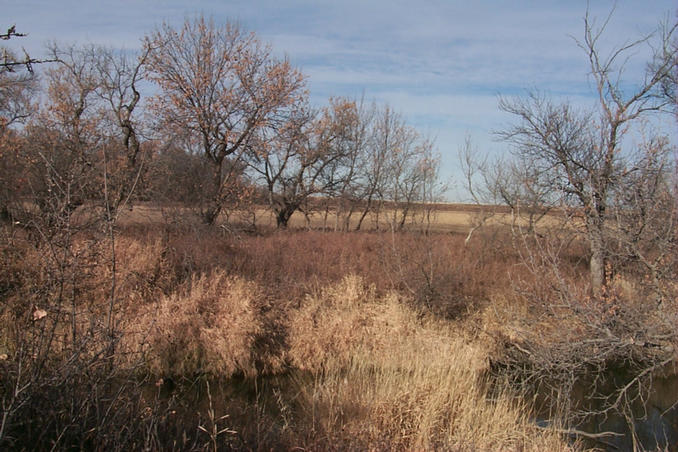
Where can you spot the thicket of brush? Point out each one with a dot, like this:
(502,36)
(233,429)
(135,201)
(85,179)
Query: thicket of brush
(186,337)
(291,339)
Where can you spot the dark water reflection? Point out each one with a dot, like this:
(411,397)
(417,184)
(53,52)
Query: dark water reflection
(651,422)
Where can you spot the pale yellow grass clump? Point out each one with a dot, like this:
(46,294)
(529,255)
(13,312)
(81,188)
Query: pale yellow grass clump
(384,377)
(333,322)
(142,270)
(211,328)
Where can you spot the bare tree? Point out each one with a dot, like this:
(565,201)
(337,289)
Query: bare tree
(483,192)
(396,170)
(219,86)
(351,121)
(119,77)
(413,174)
(374,167)
(65,140)
(17,93)
(304,157)
(408,158)
(431,189)
(606,176)
(582,153)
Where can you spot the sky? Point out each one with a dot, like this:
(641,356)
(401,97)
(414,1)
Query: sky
(441,64)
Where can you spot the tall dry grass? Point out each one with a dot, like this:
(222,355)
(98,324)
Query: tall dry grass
(311,340)
(211,328)
(386,377)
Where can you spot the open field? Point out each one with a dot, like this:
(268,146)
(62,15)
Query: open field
(443,218)
(444,221)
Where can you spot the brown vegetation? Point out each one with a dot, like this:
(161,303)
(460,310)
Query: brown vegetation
(367,340)
(148,327)
(367,361)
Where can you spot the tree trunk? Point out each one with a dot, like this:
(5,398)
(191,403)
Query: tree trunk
(597,263)
(368,206)
(403,218)
(283,215)
(211,213)
(347,217)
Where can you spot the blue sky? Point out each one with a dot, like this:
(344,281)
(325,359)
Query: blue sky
(442,64)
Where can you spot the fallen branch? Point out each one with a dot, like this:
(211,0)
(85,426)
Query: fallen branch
(574,431)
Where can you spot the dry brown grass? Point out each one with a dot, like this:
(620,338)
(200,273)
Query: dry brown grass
(359,328)
(336,321)
(387,378)
(444,218)
(210,328)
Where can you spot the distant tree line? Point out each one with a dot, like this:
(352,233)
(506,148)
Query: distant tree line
(203,116)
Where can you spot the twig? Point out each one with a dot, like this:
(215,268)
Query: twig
(574,431)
